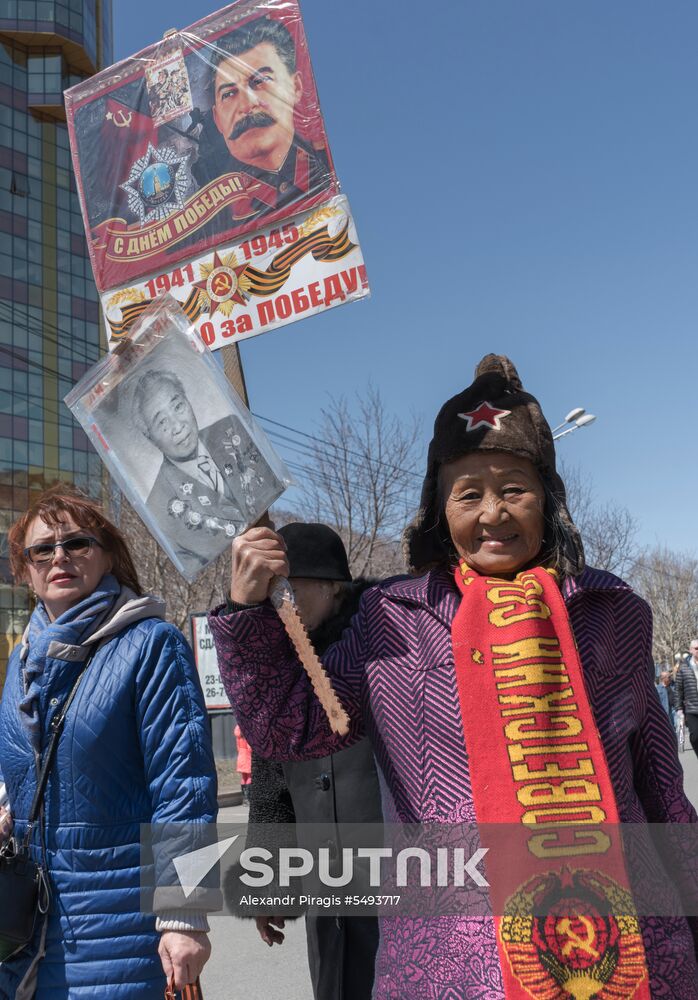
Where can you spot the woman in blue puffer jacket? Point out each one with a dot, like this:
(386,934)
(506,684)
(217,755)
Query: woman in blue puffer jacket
(135,750)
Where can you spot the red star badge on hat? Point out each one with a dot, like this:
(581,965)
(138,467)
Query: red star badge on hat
(484,415)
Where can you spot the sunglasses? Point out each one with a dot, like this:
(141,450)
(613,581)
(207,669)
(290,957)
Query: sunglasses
(43,551)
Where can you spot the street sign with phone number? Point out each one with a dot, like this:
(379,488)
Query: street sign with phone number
(207,663)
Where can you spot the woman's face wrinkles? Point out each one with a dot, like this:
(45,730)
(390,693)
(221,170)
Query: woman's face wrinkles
(494,507)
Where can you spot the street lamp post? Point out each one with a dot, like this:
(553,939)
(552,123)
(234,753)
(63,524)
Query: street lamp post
(578,418)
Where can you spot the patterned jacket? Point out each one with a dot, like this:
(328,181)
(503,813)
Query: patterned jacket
(394,673)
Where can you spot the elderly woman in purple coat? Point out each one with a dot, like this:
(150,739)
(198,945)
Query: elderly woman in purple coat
(496,686)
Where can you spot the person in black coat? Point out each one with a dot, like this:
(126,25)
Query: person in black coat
(340,788)
(686,697)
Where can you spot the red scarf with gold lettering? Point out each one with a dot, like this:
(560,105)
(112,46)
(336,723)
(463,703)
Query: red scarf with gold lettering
(568,928)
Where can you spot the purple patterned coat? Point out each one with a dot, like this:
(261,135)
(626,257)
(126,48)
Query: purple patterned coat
(393,670)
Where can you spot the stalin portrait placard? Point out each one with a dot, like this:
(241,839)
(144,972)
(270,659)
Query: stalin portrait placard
(214,132)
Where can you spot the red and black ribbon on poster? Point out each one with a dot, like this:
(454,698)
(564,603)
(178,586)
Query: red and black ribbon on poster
(319,244)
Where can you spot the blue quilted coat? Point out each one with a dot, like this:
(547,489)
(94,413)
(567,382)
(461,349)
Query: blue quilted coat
(135,749)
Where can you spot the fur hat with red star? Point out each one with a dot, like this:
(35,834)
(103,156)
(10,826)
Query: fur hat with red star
(492,414)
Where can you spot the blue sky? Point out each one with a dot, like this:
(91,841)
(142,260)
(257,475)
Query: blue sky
(523,177)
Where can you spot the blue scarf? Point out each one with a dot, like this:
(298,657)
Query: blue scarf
(73,627)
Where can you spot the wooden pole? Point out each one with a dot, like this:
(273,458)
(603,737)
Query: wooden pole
(282,594)
(232,366)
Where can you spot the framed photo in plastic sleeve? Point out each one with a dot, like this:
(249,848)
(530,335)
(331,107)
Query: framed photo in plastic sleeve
(177,438)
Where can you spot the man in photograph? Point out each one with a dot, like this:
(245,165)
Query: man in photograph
(255,87)
(211,481)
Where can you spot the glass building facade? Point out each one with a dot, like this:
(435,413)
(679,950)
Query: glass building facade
(49,314)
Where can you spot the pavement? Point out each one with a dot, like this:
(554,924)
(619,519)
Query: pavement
(689,762)
(242,967)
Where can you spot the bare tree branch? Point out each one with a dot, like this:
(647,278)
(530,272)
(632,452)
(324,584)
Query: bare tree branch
(159,576)
(609,531)
(669,583)
(363,479)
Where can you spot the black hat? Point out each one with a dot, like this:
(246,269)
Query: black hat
(492,414)
(315,551)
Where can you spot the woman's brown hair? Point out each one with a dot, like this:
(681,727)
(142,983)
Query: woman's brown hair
(51,506)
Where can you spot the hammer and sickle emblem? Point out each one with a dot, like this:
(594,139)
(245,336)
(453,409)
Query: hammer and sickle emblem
(564,927)
(122,119)
(222,283)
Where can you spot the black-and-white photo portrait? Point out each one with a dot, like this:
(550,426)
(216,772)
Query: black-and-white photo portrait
(182,446)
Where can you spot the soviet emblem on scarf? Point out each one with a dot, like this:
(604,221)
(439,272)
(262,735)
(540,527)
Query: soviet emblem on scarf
(585,945)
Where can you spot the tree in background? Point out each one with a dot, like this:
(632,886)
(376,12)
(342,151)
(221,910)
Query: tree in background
(361,476)
(159,576)
(609,531)
(667,580)
(669,583)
